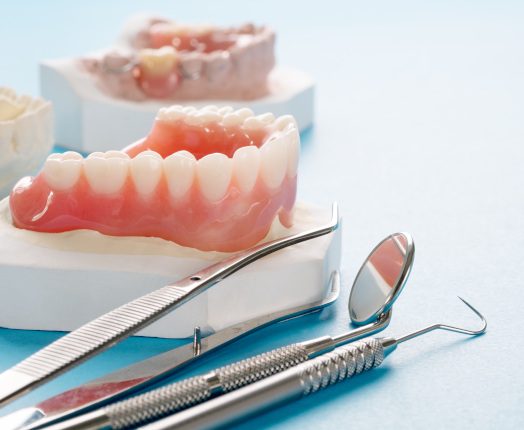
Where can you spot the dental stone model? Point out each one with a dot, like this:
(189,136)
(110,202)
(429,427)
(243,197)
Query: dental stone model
(88,234)
(160,59)
(212,179)
(108,98)
(26,136)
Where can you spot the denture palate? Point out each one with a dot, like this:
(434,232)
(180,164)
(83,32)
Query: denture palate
(212,179)
(173,61)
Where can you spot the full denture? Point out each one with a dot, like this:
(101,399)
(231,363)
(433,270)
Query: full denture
(212,179)
(165,60)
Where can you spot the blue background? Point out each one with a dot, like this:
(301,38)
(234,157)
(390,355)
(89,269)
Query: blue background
(419,127)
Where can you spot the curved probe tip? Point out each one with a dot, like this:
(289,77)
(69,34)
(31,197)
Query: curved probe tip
(484,327)
(446,327)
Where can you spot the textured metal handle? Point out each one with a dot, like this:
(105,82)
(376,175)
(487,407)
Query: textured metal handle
(306,378)
(181,395)
(261,366)
(342,363)
(91,338)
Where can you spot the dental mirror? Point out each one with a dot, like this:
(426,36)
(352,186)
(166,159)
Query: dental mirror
(381,278)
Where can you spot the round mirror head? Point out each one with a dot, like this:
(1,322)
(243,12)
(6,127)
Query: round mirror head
(381,278)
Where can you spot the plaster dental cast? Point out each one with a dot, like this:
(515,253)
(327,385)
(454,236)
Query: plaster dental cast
(161,59)
(107,98)
(26,136)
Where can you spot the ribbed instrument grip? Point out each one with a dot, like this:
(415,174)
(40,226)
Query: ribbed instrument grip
(342,363)
(157,403)
(261,366)
(164,401)
(99,333)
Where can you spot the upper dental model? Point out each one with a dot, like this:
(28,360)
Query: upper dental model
(212,179)
(26,136)
(163,60)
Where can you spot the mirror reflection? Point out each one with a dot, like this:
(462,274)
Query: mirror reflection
(379,278)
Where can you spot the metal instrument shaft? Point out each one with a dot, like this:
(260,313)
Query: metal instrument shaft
(118,324)
(302,380)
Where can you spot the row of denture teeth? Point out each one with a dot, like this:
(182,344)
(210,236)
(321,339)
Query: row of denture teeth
(107,172)
(226,116)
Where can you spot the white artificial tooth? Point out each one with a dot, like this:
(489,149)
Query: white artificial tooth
(106,175)
(189,110)
(283,121)
(96,154)
(246,164)
(151,153)
(252,123)
(108,154)
(146,171)
(225,110)
(171,113)
(266,118)
(10,109)
(214,174)
(202,117)
(62,174)
(68,155)
(207,117)
(186,154)
(244,113)
(232,119)
(71,155)
(192,119)
(54,156)
(179,169)
(116,154)
(273,162)
(293,152)
(212,108)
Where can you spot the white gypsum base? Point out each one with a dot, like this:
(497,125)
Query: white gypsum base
(87,120)
(59,281)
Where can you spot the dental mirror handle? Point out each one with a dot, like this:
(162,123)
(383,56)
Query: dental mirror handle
(302,380)
(172,398)
(120,323)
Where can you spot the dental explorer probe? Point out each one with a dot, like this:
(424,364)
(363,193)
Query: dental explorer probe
(368,302)
(302,380)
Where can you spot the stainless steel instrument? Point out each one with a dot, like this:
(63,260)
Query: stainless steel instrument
(390,260)
(146,372)
(116,325)
(302,380)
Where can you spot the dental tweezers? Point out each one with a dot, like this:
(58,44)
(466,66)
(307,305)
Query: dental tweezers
(120,323)
(140,375)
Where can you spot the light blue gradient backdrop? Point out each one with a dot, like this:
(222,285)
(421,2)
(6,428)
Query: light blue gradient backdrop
(419,127)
